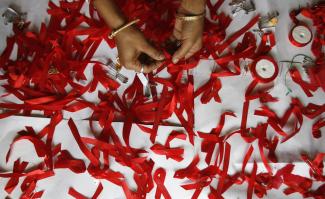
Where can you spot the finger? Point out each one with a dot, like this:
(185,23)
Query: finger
(153,52)
(172,38)
(178,27)
(189,54)
(180,53)
(147,68)
(177,35)
(126,57)
(192,51)
(153,66)
(134,65)
(137,66)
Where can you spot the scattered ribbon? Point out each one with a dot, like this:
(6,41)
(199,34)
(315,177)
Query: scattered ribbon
(159,178)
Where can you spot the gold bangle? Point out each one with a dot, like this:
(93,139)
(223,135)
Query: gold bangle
(115,32)
(190,17)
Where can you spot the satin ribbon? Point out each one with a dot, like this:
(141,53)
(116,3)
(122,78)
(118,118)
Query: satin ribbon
(18,169)
(77,195)
(210,140)
(311,110)
(296,43)
(316,132)
(307,87)
(191,169)
(296,183)
(224,170)
(261,135)
(173,153)
(316,73)
(100,77)
(39,146)
(159,178)
(316,165)
(256,75)
(198,186)
(235,36)
(210,91)
(214,8)
(175,135)
(81,145)
(65,160)
(28,186)
(247,157)
(278,123)
(251,182)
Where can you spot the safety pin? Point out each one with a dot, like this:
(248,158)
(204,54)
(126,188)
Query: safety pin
(114,73)
(12,16)
(239,5)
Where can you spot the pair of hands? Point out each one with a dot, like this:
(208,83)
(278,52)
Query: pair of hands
(131,43)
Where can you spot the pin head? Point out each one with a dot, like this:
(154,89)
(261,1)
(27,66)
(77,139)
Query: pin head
(14,17)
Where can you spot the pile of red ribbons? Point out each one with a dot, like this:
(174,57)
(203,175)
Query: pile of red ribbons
(56,57)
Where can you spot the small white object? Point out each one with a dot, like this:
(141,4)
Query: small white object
(265,68)
(142,69)
(143,79)
(145,83)
(301,34)
(114,73)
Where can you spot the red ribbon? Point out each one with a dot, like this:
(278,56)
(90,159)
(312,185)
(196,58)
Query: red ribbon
(296,183)
(210,91)
(210,140)
(251,182)
(261,79)
(224,170)
(65,160)
(175,135)
(173,153)
(159,178)
(18,169)
(317,126)
(77,195)
(235,36)
(296,43)
(81,145)
(38,145)
(316,73)
(306,87)
(316,166)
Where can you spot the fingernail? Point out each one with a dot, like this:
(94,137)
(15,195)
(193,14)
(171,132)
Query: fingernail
(161,57)
(175,60)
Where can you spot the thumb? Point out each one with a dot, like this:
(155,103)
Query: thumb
(153,52)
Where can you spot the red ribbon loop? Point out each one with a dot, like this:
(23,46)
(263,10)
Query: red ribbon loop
(159,178)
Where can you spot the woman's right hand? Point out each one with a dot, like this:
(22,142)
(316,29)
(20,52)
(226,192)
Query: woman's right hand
(131,43)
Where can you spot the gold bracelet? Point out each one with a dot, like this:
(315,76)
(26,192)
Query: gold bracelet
(190,17)
(115,32)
